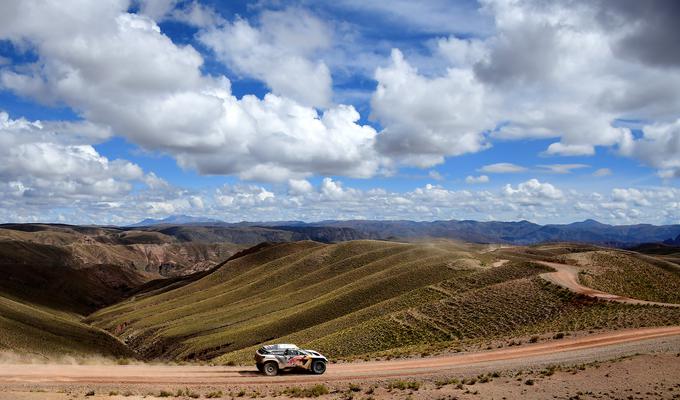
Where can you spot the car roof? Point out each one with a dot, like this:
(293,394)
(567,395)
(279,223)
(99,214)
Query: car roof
(280,346)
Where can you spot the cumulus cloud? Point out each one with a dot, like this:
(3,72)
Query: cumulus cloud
(299,186)
(42,161)
(277,51)
(189,12)
(658,147)
(533,192)
(502,168)
(426,119)
(238,196)
(119,70)
(550,70)
(51,171)
(649,30)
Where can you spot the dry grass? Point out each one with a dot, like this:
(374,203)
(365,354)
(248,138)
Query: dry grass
(45,333)
(627,275)
(364,298)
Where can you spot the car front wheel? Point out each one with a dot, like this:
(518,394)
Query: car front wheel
(319,367)
(271,369)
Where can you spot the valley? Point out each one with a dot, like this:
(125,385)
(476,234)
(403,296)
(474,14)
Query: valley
(101,296)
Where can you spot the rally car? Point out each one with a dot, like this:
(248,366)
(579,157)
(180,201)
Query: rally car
(273,358)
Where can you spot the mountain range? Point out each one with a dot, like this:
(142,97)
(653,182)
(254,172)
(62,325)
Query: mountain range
(515,232)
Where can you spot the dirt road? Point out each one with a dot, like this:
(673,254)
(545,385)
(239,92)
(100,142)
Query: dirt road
(606,345)
(566,276)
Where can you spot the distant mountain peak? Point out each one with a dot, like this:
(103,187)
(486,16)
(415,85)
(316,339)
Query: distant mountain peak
(179,219)
(590,222)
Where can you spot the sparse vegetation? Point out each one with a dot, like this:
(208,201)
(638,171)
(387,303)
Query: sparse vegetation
(312,391)
(630,276)
(404,385)
(361,299)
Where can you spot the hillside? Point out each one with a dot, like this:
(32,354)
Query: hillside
(42,300)
(39,333)
(150,253)
(628,274)
(360,297)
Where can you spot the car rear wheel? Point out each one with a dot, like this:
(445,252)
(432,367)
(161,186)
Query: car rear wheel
(271,369)
(319,367)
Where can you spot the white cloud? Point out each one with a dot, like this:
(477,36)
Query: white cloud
(299,186)
(551,70)
(428,119)
(192,13)
(634,196)
(278,52)
(42,161)
(562,168)
(658,147)
(502,168)
(602,172)
(533,192)
(122,72)
(477,179)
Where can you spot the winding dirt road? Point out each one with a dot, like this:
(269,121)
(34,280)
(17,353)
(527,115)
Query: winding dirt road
(566,276)
(605,345)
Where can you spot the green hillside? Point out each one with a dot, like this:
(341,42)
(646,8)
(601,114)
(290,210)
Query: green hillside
(361,297)
(42,301)
(43,333)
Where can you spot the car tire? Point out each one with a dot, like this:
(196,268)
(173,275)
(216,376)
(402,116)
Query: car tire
(260,367)
(318,367)
(270,369)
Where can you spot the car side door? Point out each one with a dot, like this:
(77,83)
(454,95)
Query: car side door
(293,358)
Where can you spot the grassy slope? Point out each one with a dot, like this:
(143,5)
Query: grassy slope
(629,275)
(362,297)
(48,333)
(41,299)
(283,290)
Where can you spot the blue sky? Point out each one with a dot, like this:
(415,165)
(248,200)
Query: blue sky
(117,111)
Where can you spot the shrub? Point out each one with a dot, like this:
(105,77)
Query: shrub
(403,385)
(313,391)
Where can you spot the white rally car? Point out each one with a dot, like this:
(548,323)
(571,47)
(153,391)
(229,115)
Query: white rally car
(271,359)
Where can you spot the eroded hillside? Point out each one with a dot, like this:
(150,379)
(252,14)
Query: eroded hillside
(363,297)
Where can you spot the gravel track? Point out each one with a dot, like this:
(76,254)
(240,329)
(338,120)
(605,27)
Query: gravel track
(566,276)
(581,349)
